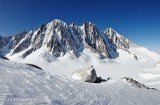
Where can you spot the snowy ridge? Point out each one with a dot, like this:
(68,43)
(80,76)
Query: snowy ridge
(22,84)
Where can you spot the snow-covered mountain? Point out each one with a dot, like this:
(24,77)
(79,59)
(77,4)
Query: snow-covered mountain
(22,84)
(57,38)
(119,40)
(138,52)
(60,48)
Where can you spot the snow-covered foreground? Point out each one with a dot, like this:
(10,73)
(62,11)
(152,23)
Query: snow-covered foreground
(125,65)
(22,84)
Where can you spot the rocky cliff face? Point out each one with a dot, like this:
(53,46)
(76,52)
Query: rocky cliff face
(4,41)
(57,38)
(97,41)
(119,40)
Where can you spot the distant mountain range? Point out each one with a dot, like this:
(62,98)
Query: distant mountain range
(56,38)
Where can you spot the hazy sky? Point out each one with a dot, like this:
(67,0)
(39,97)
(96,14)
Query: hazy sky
(138,20)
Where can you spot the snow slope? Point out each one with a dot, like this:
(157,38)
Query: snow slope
(123,66)
(152,75)
(22,84)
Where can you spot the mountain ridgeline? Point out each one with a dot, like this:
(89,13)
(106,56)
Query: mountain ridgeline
(56,38)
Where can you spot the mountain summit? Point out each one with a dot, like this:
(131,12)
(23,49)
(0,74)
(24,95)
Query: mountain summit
(56,38)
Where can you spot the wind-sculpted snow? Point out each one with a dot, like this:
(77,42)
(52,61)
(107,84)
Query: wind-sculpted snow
(22,84)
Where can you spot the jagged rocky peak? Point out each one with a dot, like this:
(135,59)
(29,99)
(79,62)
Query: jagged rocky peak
(91,33)
(56,38)
(119,40)
(17,38)
(75,30)
(97,41)
(57,22)
(72,24)
(91,28)
(88,24)
(111,33)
